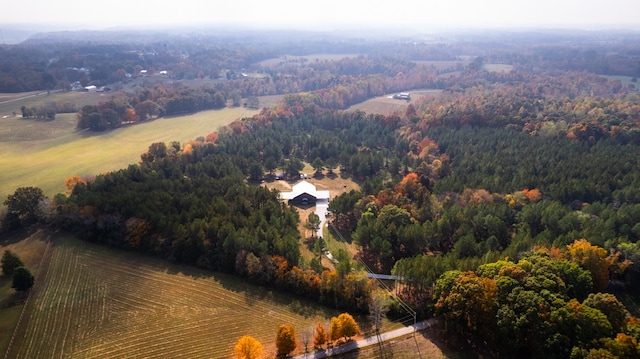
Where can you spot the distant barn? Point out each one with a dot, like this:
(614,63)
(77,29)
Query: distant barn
(305,193)
(403,96)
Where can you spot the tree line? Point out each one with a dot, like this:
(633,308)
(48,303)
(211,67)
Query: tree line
(148,103)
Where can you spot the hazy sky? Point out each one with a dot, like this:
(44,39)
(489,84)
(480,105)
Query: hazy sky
(426,14)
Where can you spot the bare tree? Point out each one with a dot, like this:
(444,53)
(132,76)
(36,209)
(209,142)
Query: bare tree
(378,308)
(305,336)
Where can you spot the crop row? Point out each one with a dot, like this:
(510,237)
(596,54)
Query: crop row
(102,303)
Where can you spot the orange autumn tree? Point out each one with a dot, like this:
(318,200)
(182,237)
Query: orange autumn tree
(71,183)
(593,259)
(533,195)
(130,115)
(409,185)
(211,138)
(248,348)
(320,337)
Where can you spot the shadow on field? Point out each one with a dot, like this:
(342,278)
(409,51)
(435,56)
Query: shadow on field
(15,236)
(251,292)
(450,347)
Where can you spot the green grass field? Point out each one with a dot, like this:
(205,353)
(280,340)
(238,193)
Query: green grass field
(10,103)
(44,154)
(96,302)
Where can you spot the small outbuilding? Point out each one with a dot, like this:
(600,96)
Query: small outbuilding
(305,193)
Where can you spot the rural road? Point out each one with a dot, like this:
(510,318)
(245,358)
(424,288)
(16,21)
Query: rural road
(28,96)
(345,348)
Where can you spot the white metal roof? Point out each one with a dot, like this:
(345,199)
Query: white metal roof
(304,187)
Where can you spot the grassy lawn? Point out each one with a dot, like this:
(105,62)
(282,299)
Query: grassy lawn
(44,154)
(144,307)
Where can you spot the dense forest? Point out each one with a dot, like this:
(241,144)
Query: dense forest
(509,204)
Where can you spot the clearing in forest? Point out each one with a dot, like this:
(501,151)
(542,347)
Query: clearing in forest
(387,105)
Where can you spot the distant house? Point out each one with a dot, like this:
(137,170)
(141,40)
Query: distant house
(143,73)
(90,88)
(305,193)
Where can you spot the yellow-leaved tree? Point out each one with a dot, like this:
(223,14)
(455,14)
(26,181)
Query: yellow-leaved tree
(248,348)
(593,259)
(348,325)
(343,326)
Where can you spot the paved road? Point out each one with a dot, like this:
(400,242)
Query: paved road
(366,342)
(322,206)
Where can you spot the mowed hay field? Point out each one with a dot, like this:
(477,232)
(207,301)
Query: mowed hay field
(96,302)
(44,153)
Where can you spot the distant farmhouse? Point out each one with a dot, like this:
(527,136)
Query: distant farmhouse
(403,96)
(305,193)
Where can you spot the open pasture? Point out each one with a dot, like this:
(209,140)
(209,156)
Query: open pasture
(7,97)
(95,302)
(386,105)
(10,103)
(44,153)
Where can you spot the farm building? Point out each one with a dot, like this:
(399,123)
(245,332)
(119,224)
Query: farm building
(403,96)
(305,193)
(91,88)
